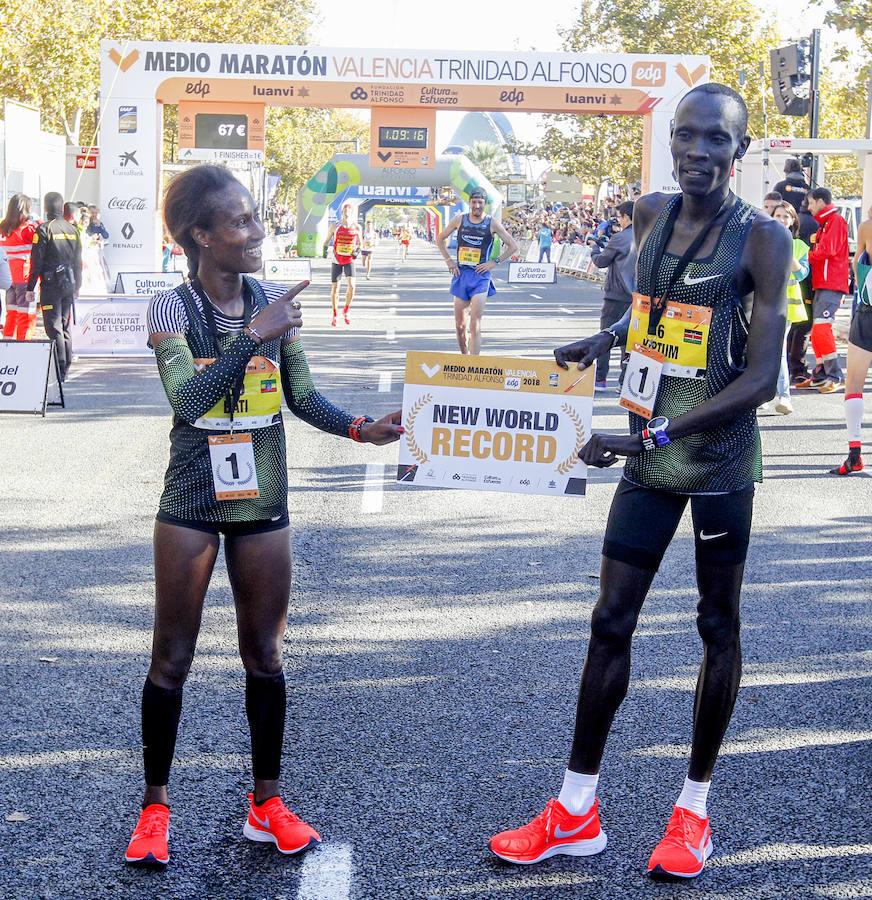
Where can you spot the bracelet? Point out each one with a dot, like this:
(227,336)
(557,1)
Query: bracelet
(253,333)
(356,425)
(648,441)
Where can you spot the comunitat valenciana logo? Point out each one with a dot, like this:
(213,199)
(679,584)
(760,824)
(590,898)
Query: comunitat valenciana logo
(649,73)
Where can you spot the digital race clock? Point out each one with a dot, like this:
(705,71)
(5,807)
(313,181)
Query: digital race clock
(413,138)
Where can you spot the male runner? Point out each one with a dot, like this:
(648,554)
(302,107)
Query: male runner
(704,257)
(368,246)
(859,350)
(471,283)
(346,244)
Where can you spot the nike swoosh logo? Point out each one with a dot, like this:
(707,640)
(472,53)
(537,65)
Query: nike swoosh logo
(560,833)
(264,822)
(691,281)
(698,852)
(710,537)
(169,359)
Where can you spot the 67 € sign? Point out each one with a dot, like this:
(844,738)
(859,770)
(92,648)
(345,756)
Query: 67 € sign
(493,423)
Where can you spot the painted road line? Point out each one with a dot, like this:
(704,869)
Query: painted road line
(536,296)
(326,873)
(391,334)
(568,312)
(384,382)
(373,488)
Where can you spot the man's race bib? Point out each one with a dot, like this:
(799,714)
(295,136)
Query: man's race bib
(642,381)
(234,475)
(469,256)
(681,337)
(259,403)
(345,248)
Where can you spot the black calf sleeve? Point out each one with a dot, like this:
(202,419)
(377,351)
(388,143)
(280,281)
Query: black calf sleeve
(265,706)
(161,711)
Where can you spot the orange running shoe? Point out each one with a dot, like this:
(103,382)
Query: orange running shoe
(148,844)
(685,847)
(273,822)
(553,831)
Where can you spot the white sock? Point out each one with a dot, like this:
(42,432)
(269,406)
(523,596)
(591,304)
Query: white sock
(693,796)
(578,792)
(854,418)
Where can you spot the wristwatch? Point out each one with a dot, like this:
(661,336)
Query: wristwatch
(654,434)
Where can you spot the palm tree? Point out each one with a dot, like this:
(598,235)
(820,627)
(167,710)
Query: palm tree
(491,158)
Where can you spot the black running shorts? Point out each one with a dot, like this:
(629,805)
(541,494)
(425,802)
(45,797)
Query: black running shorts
(861,328)
(642,523)
(336,270)
(228,529)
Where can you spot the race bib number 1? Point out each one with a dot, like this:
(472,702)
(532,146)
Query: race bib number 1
(642,381)
(233,472)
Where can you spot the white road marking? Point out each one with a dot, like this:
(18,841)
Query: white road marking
(392,310)
(536,296)
(384,382)
(373,488)
(326,873)
(391,334)
(568,312)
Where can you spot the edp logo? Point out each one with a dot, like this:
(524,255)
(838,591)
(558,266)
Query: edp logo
(651,74)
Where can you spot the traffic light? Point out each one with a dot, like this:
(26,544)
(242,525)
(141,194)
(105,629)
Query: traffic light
(791,77)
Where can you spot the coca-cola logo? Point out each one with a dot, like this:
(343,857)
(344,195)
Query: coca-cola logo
(137,203)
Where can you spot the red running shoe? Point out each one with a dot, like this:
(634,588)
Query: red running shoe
(848,467)
(685,847)
(273,822)
(553,831)
(148,844)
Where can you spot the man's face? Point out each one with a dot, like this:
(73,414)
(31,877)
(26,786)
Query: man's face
(707,136)
(815,206)
(769,205)
(476,205)
(624,221)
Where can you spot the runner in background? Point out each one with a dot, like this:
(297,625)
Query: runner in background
(859,350)
(16,238)
(346,245)
(471,283)
(405,240)
(368,247)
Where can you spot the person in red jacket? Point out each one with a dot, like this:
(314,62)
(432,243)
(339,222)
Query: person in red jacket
(828,258)
(16,239)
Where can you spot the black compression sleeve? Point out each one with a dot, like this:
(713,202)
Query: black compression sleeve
(302,397)
(192,395)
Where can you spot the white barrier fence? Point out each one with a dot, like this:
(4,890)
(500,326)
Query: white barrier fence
(570,259)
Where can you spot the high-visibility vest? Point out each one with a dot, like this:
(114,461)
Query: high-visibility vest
(18,245)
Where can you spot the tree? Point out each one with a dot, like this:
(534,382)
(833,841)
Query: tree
(856,16)
(491,158)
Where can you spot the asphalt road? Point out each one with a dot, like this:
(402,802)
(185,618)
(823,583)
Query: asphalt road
(434,647)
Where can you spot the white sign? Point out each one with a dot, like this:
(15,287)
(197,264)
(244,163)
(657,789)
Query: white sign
(492,423)
(287,271)
(114,325)
(213,154)
(25,373)
(146,284)
(532,273)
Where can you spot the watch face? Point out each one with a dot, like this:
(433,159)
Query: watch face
(659,422)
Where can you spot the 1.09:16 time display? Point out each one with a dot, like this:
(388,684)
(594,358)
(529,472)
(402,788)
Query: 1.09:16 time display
(414,138)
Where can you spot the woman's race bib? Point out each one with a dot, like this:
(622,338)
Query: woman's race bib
(681,337)
(259,404)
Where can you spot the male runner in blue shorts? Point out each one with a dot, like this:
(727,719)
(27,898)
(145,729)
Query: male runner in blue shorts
(471,284)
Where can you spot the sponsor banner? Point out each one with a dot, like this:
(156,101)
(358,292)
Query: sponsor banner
(146,284)
(203,153)
(492,423)
(25,371)
(113,325)
(532,272)
(287,271)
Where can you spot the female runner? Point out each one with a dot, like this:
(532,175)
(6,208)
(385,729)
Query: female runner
(224,341)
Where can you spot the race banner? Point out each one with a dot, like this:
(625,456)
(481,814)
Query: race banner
(28,377)
(492,423)
(532,273)
(146,284)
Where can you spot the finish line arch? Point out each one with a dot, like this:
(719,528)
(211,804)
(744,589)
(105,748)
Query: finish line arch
(399,87)
(347,176)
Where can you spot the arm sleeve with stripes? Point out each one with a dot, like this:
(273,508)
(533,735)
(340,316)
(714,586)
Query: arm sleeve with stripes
(304,400)
(192,395)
